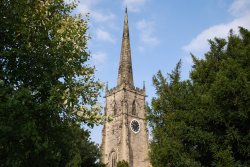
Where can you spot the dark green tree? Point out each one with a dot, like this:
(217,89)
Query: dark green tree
(122,164)
(47,90)
(204,121)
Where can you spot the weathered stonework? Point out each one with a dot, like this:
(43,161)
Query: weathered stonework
(126,137)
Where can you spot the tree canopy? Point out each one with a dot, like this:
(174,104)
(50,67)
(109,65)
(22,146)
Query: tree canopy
(47,88)
(204,121)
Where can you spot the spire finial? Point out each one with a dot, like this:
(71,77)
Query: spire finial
(126,10)
(107,87)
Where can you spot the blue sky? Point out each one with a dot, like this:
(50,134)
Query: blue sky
(161,33)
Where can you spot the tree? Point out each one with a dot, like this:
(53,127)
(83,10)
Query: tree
(204,121)
(47,90)
(122,164)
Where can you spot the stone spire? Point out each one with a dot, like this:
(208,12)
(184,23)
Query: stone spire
(125,74)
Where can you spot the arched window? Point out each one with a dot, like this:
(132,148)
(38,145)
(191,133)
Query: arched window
(113,159)
(134,108)
(115,109)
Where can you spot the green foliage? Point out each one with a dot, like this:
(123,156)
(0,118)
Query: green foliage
(47,90)
(204,121)
(122,164)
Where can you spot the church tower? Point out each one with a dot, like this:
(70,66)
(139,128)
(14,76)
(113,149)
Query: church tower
(126,136)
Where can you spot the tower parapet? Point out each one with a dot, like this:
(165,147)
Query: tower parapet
(120,88)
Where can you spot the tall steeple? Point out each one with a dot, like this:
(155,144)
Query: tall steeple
(126,137)
(125,74)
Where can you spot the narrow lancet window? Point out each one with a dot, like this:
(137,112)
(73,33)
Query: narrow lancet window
(134,108)
(113,159)
(114,109)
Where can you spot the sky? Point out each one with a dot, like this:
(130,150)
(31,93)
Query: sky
(161,33)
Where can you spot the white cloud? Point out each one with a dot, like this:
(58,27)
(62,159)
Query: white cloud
(239,7)
(103,35)
(99,57)
(141,48)
(101,17)
(199,45)
(146,29)
(88,6)
(133,5)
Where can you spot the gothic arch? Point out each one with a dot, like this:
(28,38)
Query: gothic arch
(113,159)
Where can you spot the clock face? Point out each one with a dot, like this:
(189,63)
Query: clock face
(135,126)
